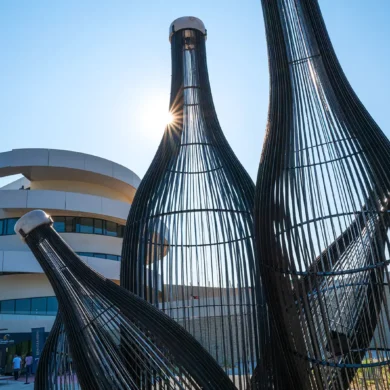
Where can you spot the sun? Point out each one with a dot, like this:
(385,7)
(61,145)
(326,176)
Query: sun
(170,118)
(153,115)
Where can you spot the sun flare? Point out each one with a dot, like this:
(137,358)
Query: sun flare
(154,115)
(170,118)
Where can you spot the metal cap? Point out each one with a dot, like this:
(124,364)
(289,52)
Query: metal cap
(30,221)
(186,22)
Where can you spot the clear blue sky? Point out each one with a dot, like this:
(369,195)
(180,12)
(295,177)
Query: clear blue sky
(89,75)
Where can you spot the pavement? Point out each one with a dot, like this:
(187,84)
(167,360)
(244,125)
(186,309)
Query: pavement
(17,385)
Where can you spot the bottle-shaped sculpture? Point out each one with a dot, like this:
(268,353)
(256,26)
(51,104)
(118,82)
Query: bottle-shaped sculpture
(188,243)
(321,214)
(117,339)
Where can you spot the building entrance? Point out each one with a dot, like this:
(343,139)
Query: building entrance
(10,344)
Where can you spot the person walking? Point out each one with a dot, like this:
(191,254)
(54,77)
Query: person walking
(16,363)
(28,362)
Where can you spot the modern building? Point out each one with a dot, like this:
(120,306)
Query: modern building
(88,198)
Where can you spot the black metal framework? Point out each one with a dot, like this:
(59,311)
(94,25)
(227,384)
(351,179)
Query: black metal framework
(56,366)
(322,213)
(188,243)
(117,339)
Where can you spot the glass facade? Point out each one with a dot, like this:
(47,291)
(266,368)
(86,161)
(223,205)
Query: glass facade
(72,225)
(51,306)
(7,307)
(44,306)
(23,306)
(100,255)
(38,306)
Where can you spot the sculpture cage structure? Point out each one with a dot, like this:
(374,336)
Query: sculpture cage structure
(117,340)
(322,213)
(188,244)
(56,367)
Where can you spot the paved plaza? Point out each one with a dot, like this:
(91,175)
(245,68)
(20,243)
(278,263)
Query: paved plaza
(16,385)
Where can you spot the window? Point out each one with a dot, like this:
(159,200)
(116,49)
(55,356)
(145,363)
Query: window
(31,306)
(7,307)
(72,225)
(10,226)
(59,224)
(22,306)
(98,226)
(120,230)
(84,253)
(100,255)
(52,306)
(111,229)
(113,257)
(38,306)
(85,225)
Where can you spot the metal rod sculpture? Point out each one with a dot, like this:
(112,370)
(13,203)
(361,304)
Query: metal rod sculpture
(322,212)
(56,367)
(188,244)
(102,320)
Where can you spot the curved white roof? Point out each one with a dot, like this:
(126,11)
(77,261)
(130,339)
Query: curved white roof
(50,164)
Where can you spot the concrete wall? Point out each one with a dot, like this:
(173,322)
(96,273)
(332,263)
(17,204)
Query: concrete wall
(25,262)
(20,286)
(79,187)
(78,241)
(16,323)
(59,200)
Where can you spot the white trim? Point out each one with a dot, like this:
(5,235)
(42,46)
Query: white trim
(23,261)
(53,163)
(60,200)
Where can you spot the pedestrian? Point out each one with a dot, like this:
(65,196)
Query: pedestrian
(28,361)
(16,363)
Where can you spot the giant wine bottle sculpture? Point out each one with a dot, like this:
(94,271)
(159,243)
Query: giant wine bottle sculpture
(322,211)
(117,339)
(188,243)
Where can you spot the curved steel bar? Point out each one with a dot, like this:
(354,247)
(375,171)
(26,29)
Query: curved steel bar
(321,211)
(117,340)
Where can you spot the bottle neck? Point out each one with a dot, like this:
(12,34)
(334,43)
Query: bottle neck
(190,89)
(301,44)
